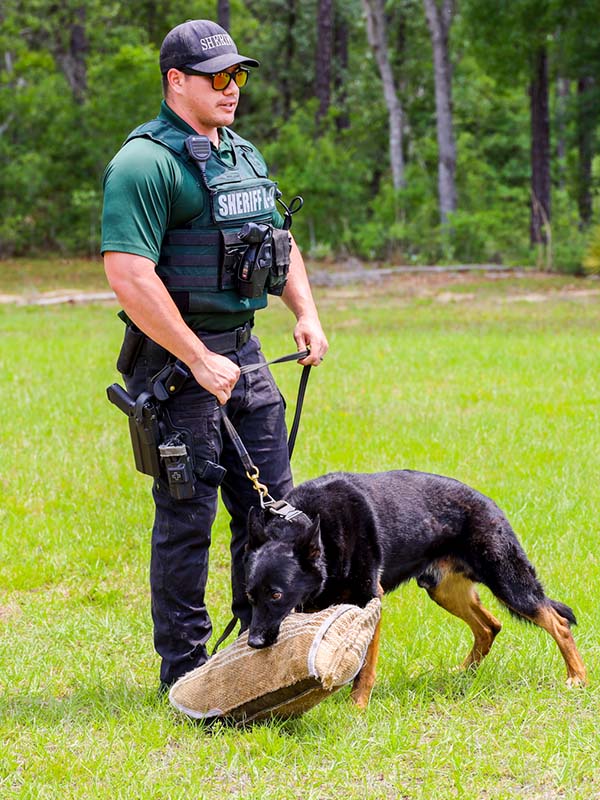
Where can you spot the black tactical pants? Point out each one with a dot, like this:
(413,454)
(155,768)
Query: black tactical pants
(182,528)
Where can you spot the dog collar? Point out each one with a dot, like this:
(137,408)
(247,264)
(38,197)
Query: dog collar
(280,508)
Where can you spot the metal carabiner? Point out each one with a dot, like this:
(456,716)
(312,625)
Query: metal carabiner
(262,490)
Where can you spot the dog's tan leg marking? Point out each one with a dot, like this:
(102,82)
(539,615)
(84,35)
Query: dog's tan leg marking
(364,681)
(457,594)
(558,627)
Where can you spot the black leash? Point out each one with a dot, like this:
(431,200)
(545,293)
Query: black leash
(229,628)
(301,391)
(299,402)
(252,472)
(278,507)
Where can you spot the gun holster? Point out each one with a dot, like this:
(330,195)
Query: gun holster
(159,450)
(144,428)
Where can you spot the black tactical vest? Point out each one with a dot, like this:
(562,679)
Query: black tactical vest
(199,263)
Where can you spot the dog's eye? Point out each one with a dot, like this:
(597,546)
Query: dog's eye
(276,596)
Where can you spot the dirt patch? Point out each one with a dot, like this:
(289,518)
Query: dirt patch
(454,297)
(566,293)
(354,273)
(57,297)
(352,281)
(460,286)
(9,611)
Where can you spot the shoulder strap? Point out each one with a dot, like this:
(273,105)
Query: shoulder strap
(238,140)
(163,133)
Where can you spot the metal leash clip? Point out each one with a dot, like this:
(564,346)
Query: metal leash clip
(281,508)
(262,490)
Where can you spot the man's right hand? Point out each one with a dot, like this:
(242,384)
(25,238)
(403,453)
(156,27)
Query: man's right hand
(217,374)
(147,303)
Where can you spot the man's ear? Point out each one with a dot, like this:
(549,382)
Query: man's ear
(176,79)
(308,545)
(256,528)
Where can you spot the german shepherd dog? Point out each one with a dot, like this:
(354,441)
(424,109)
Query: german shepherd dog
(361,535)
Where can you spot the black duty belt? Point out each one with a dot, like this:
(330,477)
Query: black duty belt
(221,343)
(228,341)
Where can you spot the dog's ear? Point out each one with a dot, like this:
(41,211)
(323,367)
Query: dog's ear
(308,545)
(256,528)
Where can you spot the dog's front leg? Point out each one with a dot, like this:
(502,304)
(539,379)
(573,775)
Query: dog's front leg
(364,681)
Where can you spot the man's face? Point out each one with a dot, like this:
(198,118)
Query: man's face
(209,107)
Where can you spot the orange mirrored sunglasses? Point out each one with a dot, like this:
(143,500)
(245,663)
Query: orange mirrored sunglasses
(221,80)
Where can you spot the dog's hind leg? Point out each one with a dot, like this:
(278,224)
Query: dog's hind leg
(457,594)
(496,558)
(548,618)
(365,680)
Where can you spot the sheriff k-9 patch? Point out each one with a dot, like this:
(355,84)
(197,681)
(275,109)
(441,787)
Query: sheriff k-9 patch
(247,202)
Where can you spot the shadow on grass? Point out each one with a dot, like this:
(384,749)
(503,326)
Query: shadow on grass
(88,704)
(94,705)
(441,683)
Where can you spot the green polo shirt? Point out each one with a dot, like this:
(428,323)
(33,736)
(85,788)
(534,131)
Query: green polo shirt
(147,190)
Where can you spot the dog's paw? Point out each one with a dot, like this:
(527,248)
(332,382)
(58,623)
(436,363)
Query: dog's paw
(361,695)
(361,701)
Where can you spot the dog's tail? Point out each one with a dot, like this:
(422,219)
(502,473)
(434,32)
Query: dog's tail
(498,560)
(564,611)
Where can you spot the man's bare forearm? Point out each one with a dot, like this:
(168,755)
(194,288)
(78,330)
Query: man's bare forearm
(148,304)
(299,299)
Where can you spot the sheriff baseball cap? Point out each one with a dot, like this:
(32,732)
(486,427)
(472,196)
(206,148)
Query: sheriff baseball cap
(201,45)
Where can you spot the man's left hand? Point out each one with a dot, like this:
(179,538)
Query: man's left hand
(309,335)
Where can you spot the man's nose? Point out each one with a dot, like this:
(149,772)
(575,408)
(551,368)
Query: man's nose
(232,88)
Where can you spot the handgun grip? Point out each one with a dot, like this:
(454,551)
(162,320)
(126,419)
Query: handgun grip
(120,398)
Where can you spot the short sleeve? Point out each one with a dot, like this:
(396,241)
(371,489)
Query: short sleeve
(141,184)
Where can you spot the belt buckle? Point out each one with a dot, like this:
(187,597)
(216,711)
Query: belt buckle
(242,336)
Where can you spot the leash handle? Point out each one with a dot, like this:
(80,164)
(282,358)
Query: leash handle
(261,365)
(300,399)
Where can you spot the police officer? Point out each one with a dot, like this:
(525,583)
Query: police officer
(176,199)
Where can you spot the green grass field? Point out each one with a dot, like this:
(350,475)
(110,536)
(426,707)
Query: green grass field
(494,381)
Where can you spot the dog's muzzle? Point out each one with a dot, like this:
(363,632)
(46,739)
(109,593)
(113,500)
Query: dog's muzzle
(259,640)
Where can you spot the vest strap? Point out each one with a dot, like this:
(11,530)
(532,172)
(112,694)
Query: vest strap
(184,236)
(186,260)
(190,281)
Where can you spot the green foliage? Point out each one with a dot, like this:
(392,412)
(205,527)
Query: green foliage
(326,170)
(54,143)
(524,25)
(591,260)
(122,89)
(401,226)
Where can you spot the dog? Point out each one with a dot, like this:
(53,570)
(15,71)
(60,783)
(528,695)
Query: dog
(359,536)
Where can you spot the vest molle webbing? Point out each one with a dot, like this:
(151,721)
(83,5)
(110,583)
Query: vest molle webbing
(197,263)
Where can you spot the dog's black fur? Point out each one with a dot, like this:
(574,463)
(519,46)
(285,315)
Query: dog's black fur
(360,532)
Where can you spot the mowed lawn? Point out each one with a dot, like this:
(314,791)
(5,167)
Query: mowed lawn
(493,380)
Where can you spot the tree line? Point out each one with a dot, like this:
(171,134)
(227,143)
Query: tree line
(417,131)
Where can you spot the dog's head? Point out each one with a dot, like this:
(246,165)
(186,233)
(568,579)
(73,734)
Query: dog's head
(285,567)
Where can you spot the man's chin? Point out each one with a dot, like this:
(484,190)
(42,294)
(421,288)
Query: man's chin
(227,118)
